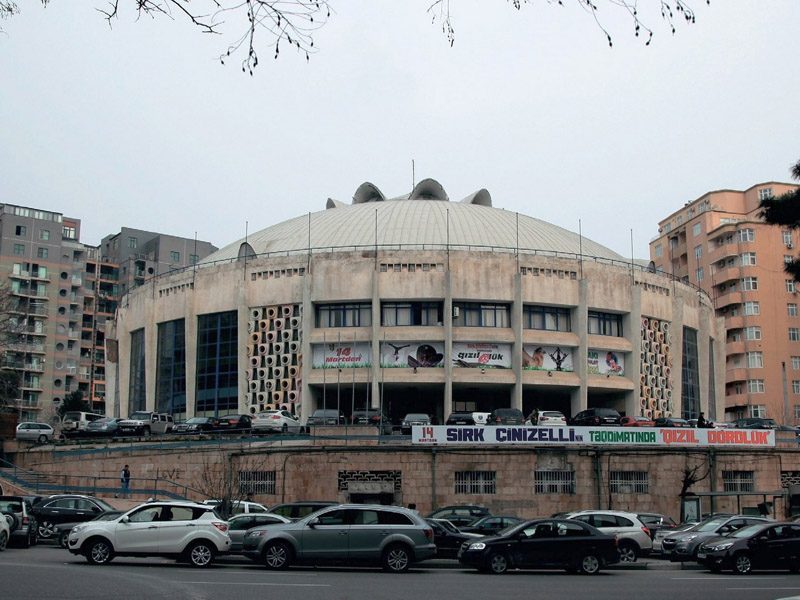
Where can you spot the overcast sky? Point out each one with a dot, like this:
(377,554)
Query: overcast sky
(140,126)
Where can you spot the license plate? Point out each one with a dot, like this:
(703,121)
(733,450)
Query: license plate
(701,555)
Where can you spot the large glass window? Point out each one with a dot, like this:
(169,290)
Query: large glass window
(217,364)
(551,318)
(344,315)
(171,368)
(475,314)
(691,375)
(136,389)
(601,323)
(411,313)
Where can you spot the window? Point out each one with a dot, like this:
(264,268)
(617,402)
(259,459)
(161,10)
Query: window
(747,235)
(21,230)
(696,229)
(19,249)
(137,387)
(796,363)
(554,482)
(193,259)
(797,411)
(755,360)
(752,333)
(116,243)
(256,482)
(659,250)
(549,318)
(790,286)
(794,334)
(765,194)
(679,220)
(747,259)
(752,308)
(699,275)
(795,386)
(344,315)
(175,257)
(749,284)
(791,309)
(698,252)
(44,234)
(787,238)
(690,384)
(41,252)
(133,242)
(629,482)
(755,386)
(601,323)
(474,314)
(217,388)
(788,258)
(171,368)
(667,227)
(738,481)
(411,313)
(476,482)
(758,411)
(69,232)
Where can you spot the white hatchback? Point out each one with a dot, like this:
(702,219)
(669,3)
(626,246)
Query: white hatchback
(182,530)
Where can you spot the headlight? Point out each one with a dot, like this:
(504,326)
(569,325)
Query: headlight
(78,528)
(477,546)
(252,534)
(719,547)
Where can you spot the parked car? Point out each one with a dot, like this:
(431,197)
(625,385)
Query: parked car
(448,538)
(107,427)
(391,536)
(238,526)
(62,530)
(683,545)
(596,417)
(238,507)
(459,515)
(196,425)
(21,522)
(76,422)
(35,432)
(5,531)
(412,419)
(374,418)
(633,537)
(490,525)
(658,539)
(326,416)
(458,418)
(542,543)
(506,416)
(671,422)
(183,530)
(298,510)
(550,418)
(278,421)
(755,423)
(66,508)
(146,422)
(634,421)
(480,417)
(768,546)
(234,423)
(656,522)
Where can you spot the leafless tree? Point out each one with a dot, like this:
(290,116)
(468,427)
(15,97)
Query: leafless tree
(692,475)
(293,23)
(228,481)
(10,325)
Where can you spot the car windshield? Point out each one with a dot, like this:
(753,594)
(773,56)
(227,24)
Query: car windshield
(415,416)
(138,416)
(104,505)
(72,416)
(324,413)
(106,421)
(447,526)
(710,525)
(551,414)
(196,420)
(746,531)
(109,516)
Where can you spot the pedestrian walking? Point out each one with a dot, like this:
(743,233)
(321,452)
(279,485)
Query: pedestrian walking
(125,479)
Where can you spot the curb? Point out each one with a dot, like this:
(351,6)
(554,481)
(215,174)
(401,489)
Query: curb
(642,565)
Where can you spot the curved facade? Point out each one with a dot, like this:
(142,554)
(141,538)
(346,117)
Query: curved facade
(416,304)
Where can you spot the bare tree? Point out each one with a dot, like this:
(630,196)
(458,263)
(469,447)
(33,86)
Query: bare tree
(692,475)
(10,323)
(293,23)
(230,481)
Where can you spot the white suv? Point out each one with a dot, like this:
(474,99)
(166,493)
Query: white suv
(633,536)
(182,530)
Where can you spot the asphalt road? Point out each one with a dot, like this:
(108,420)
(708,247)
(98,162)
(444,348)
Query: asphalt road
(50,573)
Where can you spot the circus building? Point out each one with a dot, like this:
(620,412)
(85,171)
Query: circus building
(416,304)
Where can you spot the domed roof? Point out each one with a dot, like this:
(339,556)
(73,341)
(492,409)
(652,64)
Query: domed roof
(418,220)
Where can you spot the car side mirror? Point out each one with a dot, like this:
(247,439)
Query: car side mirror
(725,529)
(313,522)
(125,519)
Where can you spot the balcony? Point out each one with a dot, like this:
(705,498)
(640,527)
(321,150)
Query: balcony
(736,322)
(31,385)
(727,298)
(734,348)
(734,375)
(29,403)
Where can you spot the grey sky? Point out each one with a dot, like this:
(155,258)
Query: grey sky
(140,125)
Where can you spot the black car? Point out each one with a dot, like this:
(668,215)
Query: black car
(755,423)
(66,508)
(491,525)
(506,416)
(596,417)
(62,529)
(460,419)
(459,515)
(542,543)
(671,422)
(234,423)
(448,538)
(372,417)
(326,416)
(196,425)
(770,546)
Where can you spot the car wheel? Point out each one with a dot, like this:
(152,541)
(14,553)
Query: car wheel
(396,559)
(498,563)
(46,530)
(99,551)
(277,556)
(200,554)
(589,565)
(628,552)
(742,565)
(42,439)
(3,540)
(63,539)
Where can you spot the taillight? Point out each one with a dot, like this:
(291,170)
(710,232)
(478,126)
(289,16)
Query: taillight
(616,542)
(275,417)
(543,418)
(221,525)
(24,520)
(646,530)
(428,533)
(597,419)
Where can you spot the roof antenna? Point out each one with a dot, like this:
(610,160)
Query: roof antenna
(413,175)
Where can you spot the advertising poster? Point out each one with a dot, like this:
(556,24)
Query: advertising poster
(341,355)
(412,354)
(547,358)
(603,362)
(477,355)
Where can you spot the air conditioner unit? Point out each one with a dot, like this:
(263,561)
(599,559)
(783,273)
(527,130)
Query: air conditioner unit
(455,312)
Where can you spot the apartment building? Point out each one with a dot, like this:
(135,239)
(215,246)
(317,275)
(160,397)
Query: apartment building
(719,243)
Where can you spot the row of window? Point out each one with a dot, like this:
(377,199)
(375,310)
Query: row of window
(19,250)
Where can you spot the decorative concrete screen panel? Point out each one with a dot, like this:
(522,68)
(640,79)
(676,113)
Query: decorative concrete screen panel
(655,370)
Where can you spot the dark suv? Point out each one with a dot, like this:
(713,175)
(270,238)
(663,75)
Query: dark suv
(506,416)
(596,416)
(373,417)
(326,416)
(755,423)
(461,514)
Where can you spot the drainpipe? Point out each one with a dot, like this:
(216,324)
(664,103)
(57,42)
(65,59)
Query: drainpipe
(433,479)
(598,473)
